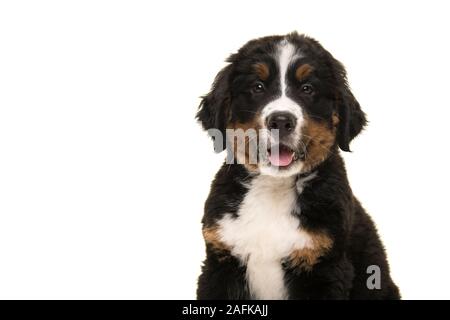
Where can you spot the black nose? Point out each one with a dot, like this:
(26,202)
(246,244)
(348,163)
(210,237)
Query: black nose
(283,121)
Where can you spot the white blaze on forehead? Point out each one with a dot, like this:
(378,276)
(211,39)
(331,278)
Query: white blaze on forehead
(286,54)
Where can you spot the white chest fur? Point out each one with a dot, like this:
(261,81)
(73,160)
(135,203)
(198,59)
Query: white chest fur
(264,233)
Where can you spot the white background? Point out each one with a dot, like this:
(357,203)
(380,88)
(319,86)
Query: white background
(104,171)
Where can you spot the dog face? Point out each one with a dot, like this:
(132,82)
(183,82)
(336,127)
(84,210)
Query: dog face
(292,92)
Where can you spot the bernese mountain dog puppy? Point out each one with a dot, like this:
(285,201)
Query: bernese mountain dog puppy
(288,225)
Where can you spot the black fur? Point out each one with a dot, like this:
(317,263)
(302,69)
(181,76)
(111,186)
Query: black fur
(326,203)
(213,108)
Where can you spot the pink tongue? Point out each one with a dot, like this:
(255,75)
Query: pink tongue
(282,159)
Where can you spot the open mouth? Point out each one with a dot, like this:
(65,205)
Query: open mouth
(284,157)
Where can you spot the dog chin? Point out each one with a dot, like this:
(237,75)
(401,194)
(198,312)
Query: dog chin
(281,172)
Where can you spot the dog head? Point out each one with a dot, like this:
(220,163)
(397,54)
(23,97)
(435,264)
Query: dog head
(293,94)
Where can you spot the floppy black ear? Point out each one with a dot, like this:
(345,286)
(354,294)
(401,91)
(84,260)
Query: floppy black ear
(214,108)
(351,118)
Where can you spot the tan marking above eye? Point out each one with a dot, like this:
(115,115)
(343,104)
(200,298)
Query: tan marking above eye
(262,70)
(303,71)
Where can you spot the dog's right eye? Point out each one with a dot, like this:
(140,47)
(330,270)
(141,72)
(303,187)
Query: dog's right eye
(258,87)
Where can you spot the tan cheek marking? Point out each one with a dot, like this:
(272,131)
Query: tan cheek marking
(212,238)
(253,124)
(306,258)
(303,71)
(318,137)
(262,70)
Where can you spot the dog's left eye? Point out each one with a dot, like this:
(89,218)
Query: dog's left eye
(307,88)
(258,87)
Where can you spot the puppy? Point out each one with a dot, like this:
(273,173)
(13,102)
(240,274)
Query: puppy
(287,226)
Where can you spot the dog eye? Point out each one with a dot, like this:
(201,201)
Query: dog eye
(307,88)
(258,88)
